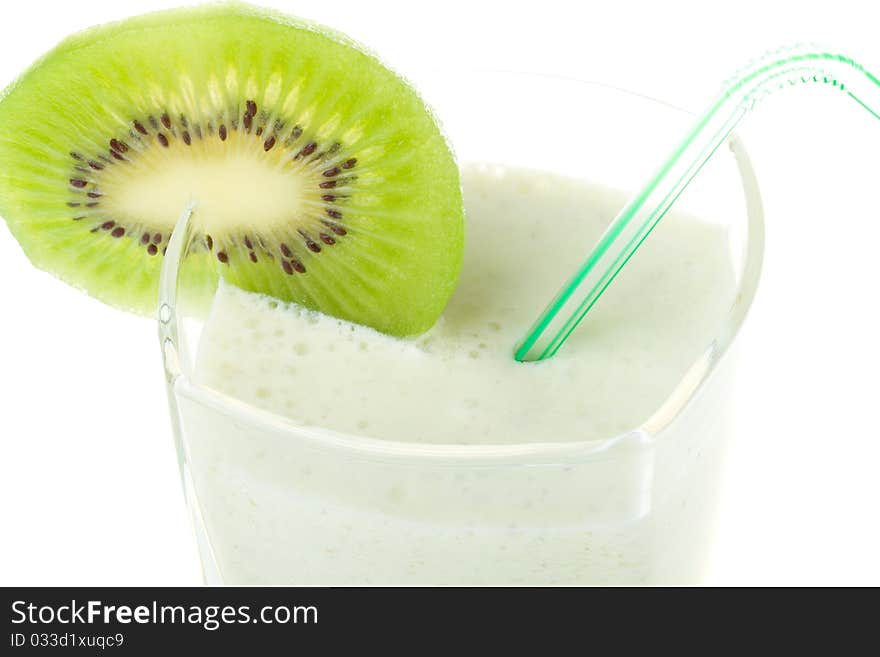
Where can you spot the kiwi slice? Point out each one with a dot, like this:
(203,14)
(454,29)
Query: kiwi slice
(320,177)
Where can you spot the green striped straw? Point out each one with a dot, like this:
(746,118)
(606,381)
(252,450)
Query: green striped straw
(776,70)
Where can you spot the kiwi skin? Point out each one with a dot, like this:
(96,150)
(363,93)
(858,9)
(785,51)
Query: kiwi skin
(400,206)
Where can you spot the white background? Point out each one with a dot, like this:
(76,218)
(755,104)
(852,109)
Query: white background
(89,492)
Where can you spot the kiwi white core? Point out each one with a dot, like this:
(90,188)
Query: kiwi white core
(234,183)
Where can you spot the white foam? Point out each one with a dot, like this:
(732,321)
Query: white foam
(526,232)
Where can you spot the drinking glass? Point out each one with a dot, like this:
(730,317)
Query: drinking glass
(277,502)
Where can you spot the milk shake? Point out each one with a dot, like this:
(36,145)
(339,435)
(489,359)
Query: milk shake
(361,483)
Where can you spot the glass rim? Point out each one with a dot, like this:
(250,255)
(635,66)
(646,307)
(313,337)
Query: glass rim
(526,453)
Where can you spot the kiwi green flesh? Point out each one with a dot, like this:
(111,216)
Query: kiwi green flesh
(319,176)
